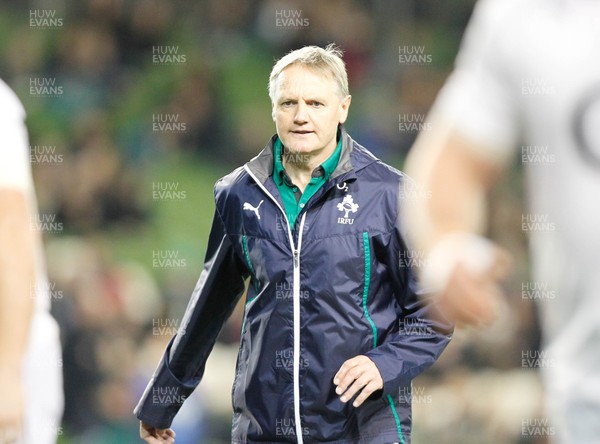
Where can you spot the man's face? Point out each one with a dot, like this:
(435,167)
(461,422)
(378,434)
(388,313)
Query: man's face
(307,109)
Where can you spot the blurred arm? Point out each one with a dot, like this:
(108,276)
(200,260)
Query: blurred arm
(458,179)
(16,278)
(17,263)
(476,121)
(464,269)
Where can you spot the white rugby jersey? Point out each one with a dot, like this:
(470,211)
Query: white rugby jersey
(527,79)
(42,364)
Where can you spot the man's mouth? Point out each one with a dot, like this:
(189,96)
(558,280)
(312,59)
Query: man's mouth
(302,132)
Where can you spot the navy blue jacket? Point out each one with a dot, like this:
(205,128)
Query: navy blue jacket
(340,284)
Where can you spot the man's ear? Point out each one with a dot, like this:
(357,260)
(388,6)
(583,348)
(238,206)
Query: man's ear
(344,108)
(273,111)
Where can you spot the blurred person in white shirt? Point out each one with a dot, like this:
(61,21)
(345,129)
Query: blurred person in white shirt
(31,399)
(527,79)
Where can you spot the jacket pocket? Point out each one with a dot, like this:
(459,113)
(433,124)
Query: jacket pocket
(255,284)
(367,284)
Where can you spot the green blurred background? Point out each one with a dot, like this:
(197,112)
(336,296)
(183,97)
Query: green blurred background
(146,104)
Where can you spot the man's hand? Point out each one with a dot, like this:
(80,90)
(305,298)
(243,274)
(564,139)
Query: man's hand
(153,435)
(11,405)
(462,274)
(358,374)
(472,298)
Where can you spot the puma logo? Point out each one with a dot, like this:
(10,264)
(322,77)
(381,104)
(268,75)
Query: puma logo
(248,206)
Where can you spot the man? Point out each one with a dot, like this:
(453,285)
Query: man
(333,325)
(30,359)
(528,74)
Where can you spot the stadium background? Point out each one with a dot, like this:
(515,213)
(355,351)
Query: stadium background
(136,107)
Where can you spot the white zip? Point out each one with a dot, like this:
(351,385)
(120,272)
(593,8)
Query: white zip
(296,298)
(296,305)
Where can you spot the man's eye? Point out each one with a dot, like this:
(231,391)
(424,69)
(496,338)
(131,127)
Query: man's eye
(317,104)
(288,103)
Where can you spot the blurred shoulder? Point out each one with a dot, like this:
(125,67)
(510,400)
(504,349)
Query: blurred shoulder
(504,6)
(505,14)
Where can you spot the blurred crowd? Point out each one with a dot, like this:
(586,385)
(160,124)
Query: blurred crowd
(147,95)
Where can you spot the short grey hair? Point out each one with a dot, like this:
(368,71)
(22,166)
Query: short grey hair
(328,60)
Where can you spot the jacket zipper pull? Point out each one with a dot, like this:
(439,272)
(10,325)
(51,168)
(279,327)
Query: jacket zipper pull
(296,259)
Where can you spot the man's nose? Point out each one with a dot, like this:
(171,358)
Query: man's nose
(301,114)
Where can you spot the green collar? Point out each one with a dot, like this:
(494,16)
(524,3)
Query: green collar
(328,165)
(293,201)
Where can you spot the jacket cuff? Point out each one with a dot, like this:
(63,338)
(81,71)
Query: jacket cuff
(390,375)
(163,397)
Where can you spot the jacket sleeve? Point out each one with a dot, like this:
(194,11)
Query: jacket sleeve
(219,287)
(419,338)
